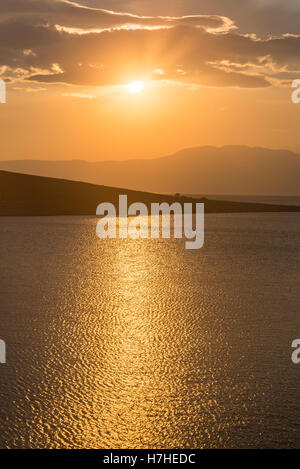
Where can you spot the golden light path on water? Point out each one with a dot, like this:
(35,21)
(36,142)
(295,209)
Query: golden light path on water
(138,353)
(143,344)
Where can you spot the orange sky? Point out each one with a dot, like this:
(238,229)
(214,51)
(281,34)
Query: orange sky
(157,121)
(205,82)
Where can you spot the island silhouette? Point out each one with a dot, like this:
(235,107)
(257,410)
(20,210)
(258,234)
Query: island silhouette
(28,195)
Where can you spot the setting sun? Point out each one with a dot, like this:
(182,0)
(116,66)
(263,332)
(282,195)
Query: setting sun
(136,87)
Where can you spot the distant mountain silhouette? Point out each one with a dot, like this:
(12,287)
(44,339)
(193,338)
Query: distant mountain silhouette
(34,195)
(204,170)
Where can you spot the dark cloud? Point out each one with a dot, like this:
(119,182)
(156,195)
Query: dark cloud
(70,14)
(33,48)
(262,17)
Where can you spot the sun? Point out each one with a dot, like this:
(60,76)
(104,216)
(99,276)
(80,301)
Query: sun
(136,87)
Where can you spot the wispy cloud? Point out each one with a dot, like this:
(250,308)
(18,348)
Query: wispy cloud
(79,95)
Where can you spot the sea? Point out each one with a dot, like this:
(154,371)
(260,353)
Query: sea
(140,343)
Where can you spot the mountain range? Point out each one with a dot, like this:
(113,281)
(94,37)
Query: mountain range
(204,170)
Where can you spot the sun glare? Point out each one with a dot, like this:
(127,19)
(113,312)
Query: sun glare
(136,87)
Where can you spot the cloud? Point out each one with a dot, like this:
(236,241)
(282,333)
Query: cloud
(79,95)
(74,15)
(258,16)
(197,50)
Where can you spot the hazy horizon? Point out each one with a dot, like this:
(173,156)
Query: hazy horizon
(199,170)
(154,156)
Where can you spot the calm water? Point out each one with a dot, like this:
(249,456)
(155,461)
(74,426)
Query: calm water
(142,344)
(260,199)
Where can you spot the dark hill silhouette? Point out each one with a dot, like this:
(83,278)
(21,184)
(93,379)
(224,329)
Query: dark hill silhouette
(34,195)
(205,170)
